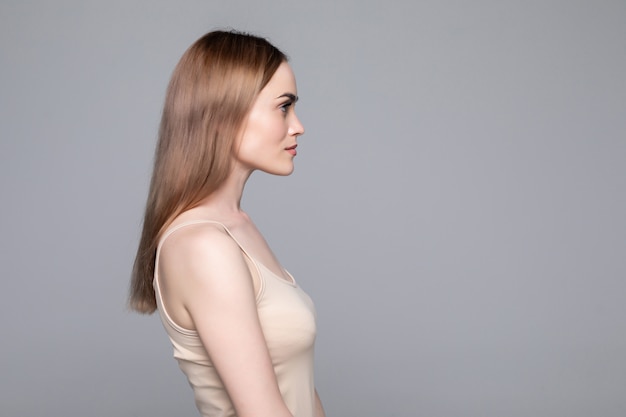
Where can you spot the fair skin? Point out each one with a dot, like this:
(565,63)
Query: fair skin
(206,281)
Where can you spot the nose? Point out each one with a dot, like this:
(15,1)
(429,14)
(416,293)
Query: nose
(295,127)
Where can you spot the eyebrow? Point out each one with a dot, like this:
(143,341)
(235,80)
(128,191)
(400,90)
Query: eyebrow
(291,96)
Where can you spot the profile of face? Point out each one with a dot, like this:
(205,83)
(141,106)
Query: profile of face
(269,137)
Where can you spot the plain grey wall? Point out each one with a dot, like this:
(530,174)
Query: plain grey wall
(457,210)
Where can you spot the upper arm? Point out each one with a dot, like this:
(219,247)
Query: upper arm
(218,293)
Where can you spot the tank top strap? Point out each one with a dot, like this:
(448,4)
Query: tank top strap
(174,229)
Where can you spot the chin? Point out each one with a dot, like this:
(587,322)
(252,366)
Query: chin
(285,173)
(281,171)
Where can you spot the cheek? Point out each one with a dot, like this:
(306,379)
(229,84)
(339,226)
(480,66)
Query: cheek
(266,132)
(273,126)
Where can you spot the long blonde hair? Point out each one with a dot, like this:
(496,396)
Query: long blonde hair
(208,98)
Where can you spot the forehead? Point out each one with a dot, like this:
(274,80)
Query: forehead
(283,81)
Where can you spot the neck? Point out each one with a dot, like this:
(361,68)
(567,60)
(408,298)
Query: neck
(227,198)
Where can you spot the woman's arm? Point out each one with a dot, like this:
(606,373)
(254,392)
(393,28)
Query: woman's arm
(319,410)
(218,293)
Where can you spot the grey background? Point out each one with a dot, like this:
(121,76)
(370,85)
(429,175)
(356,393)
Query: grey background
(457,210)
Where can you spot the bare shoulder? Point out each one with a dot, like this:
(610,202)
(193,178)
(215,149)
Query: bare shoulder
(198,236)
(202,271)
(200,250)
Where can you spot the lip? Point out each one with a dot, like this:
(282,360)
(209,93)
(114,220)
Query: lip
(292,150)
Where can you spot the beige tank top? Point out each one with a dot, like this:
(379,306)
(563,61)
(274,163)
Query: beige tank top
(287,317)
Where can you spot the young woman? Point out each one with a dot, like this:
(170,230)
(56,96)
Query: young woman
(242,329)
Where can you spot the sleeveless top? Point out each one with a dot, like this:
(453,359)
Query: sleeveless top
(287,317)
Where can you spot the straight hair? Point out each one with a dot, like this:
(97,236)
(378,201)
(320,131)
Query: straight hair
(209,96)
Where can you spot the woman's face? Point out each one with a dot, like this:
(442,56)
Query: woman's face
(268,142)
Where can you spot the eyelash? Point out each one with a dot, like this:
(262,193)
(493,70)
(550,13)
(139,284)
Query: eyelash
(285,106)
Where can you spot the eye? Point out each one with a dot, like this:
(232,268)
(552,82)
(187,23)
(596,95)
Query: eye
(285,106)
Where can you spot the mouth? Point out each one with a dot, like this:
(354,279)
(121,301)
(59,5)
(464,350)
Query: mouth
(292,150)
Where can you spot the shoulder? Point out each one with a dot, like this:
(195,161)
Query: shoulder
(201,235)
(200,249)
